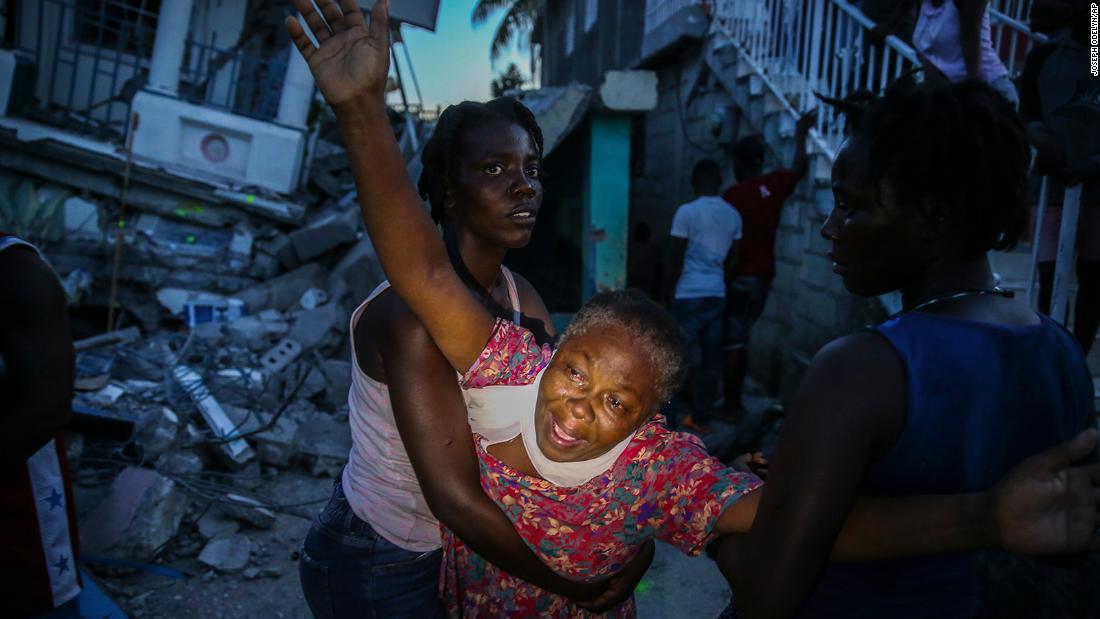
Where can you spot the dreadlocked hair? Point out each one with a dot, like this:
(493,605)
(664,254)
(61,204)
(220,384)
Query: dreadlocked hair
(441,151)
(957,152)
(655,332)
(438,166)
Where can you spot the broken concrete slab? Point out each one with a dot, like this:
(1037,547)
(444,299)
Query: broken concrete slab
(280,356)
(338,376)
(138,516)
(179,463)
(283,292)
(358,272)
(313,298)
(156,431)
(311,327)
(304,380)
(129,334)
(236,451)
(256,332)
(323,444)
(214,524)
(82,220)
(325,233)
(278,445)
(248,511)
(228,555)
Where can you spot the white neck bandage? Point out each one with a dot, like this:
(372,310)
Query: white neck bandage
(567,474)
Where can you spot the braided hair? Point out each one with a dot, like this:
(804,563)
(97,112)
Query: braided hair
(442,150)
(439,159)
(958,152)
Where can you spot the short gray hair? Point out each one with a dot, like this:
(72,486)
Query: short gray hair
(656,333)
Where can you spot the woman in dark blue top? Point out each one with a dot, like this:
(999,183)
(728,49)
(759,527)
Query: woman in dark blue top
(944,397)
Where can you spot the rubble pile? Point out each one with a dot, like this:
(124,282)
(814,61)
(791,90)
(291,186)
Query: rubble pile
(227,372)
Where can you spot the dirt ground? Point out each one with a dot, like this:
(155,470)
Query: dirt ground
(273,592)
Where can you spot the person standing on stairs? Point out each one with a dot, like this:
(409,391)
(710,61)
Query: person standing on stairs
(705,234)
(759,198)
(1059,102)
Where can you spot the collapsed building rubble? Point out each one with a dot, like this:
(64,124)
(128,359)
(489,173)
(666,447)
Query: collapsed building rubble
(227,364)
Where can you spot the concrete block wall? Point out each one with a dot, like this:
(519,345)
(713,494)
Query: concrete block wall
(808,305)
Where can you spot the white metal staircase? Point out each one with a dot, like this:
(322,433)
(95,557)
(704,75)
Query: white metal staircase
(772,56)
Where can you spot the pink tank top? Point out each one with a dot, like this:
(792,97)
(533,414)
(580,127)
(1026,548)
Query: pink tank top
(938,36)
(378,480)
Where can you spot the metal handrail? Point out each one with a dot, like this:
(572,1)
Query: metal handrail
(820,46)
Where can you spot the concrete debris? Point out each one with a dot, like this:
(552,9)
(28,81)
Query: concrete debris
(108,395)
(279,444)
(324,234)
(338,378)
(128,334)
(282,292)
(82,220)
(214,524)
(309,381)
(156,431)
(237,451)
(280,356)
(323,443)
(252,573)
(180,463)
(313,298)
(140,514)
(248,511)
(356,274)
(311,327)
(227,555)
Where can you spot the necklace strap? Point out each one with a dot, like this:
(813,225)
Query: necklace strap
(958,294)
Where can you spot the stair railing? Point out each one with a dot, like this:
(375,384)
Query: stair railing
(799,47)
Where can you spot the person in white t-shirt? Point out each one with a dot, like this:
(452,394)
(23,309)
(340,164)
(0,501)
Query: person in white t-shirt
(705,234)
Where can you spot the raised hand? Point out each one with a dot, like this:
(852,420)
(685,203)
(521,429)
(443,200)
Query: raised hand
(351,60)
(806,121)
(1046,505)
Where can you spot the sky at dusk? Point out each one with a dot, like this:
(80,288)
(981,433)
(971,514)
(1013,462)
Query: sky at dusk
(452,64)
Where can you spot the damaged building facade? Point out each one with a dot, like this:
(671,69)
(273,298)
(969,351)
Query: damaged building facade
(726,69)
(174,164)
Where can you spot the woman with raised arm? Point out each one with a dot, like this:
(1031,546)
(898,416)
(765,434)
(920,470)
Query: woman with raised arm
(592,474)
(376,545)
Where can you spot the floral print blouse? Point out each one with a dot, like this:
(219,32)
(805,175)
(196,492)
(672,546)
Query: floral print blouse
(664,486)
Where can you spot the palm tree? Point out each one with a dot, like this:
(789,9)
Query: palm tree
(519,17)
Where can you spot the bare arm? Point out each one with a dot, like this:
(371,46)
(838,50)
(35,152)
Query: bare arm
(808,509)
(350,67)
(970,34)
(38,354)
(853,393)
(801,162)
(431,417)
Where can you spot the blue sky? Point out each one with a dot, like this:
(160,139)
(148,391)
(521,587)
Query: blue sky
(452,64)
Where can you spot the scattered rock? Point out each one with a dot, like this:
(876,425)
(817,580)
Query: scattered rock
(227,555)
(139,515)
(214,524)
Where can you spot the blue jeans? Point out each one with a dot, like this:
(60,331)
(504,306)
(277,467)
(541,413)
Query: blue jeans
(348,570)
(701,321)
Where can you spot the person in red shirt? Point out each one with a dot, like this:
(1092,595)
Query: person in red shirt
(759,197)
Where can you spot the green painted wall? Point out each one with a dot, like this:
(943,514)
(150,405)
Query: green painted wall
(606,209)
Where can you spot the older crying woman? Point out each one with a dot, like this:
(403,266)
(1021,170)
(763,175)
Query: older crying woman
(591,474)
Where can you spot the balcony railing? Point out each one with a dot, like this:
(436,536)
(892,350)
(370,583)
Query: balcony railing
(92,57)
